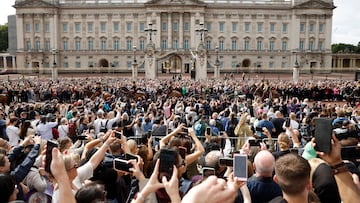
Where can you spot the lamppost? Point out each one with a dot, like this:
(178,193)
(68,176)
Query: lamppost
(134,64)
(296,70)
(54,70)
(201,30)
(217,63)
(150,30)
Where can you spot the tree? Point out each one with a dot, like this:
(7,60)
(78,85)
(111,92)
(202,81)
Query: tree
(344,48)
(4,43)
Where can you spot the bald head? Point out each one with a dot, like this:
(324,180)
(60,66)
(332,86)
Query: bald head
(264,163)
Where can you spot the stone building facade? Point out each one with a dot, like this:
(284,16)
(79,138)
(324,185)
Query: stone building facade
(250,35)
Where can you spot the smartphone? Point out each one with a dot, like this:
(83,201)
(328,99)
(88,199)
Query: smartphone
(254,143)
(49,146)
(222,133)
(182,151)
(118,134)
(259,129)
(149,134)
(240,166)
(129,156)
(122,165)
(226,161)
(167,162)
(208,130)
(207,171)
(81,137)
(323,133)
(287,122)
(185,130)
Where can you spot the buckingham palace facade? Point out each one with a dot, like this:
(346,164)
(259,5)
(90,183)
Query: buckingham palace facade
(237,35)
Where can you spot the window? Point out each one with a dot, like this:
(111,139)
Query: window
(142,44)
(129,64)
(65,45)
(234,64)
(175,27)
(142,27)
(321,45)
(128,26)
(285,28)
(116,26)
(103,44)
(311,44)
(78,64)
(186,26)
(311,27)
(77,27)
(37,27)
(247,44)
(221,26)
(77,45)
(186,44)
(90,27)
(66,64)
(233,44)
(208,45)
(259,44)
(321,27)
(47,45)
(163,44)
(272,27)
(176,44)
(271,64)
(208,26)
(28,45)
(129,45)
(284,45)
(37,45)
(65,27)
(247,27)
(259,27)
(47,27)
(283,64)
(302,27)
(301,45)
(164,26)
(103,27)
(91,44)
(116,44)
(234,26)
(27,27)
(272,45)
(221,45)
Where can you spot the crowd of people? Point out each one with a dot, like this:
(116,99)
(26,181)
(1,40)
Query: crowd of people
(174,140)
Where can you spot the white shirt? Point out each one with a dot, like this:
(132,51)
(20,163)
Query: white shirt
(45,130)
(63,131)
(13,134)
(84,173)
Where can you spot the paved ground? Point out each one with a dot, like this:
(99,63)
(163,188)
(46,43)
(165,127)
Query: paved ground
(270,76)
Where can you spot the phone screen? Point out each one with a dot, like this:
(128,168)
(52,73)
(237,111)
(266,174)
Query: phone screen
(208,130)
(254,143)
(207,171)
(240,166)
(226,161)
(131,156)
(49,146)
(167,162)
(122,165)
(323,133)
(182,152)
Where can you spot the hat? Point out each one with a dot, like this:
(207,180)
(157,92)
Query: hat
(309,151)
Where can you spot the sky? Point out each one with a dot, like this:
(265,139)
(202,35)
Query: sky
(346,28)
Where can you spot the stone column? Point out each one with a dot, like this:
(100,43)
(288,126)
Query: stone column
(5,62)
(170,45)
(13,62)
(201,62)
(150,61)
(181,31)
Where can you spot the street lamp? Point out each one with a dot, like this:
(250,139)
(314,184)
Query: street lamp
(201,30)
(134,70)
(217,63)
(54,70)
(296,70)
(150,30)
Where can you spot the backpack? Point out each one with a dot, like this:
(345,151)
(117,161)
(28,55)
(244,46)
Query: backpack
(103,128)
(72,128)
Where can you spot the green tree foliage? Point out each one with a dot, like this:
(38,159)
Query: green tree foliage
(4,44)
(345,48)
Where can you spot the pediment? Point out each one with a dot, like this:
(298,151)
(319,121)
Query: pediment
(33,4)
(175,2)
(315,4)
